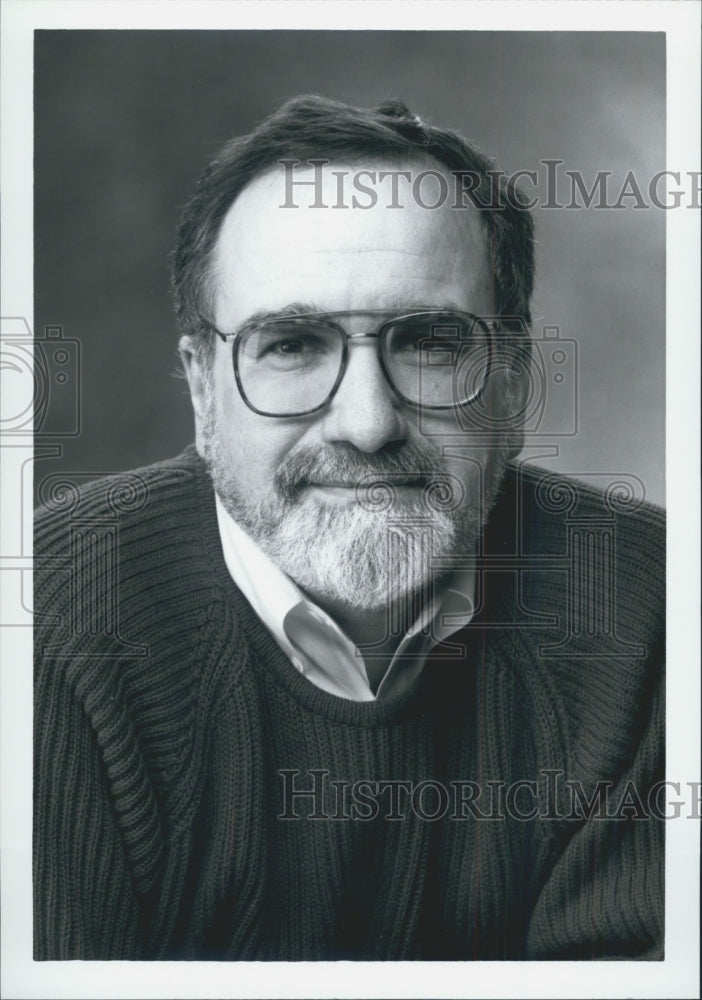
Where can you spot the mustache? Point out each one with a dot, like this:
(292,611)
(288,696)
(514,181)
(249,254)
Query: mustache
(344,464)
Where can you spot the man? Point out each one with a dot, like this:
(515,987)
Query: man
(379,694)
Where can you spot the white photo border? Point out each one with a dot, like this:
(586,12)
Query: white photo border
(678,974)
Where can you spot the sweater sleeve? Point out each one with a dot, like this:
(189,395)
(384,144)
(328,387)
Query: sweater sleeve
(116,616)
(85,904)
(604,897)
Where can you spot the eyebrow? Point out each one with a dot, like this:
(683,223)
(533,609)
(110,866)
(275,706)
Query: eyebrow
(263,315)
(301,308)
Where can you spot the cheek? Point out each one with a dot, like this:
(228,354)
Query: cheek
(472,442)
(252,446)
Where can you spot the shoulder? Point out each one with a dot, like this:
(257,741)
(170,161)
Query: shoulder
(542,514)
(129,618)
(128,497)
(614,497)
(579,574)
(122,555)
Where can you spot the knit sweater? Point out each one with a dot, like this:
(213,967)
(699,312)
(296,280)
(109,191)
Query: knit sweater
(174,743)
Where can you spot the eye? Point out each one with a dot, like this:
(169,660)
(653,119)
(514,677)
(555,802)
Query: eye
(427,337)
(410,337)
(291,345)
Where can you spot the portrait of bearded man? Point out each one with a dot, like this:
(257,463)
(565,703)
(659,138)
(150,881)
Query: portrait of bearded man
(371,671)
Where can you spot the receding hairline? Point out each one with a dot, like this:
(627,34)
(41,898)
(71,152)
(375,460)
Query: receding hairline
(309,127)
(405,160)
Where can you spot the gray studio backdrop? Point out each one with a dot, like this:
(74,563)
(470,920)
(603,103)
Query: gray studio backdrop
(124,121)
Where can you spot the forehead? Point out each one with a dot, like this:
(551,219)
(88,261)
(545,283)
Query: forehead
(325,240)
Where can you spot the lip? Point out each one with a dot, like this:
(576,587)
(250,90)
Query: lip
(414,482)
(335,485)
(348,494)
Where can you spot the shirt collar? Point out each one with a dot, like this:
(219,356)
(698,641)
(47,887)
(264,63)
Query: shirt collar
(313,641)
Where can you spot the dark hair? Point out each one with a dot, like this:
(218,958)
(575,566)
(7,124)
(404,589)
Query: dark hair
(312,127)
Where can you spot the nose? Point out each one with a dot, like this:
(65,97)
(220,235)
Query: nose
(364,411)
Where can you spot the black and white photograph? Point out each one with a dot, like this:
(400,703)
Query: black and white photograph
(348,503)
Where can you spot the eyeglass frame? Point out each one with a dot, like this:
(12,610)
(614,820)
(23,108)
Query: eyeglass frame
(490,326)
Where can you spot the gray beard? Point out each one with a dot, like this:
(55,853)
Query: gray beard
(378,551)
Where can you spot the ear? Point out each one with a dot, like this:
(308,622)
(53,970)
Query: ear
(199,385)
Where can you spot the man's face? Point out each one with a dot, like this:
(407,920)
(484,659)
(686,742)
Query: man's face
(291,482)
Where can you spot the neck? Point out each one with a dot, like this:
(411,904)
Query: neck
(377,632)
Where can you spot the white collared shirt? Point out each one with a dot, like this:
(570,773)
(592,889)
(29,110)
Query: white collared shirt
(314,643)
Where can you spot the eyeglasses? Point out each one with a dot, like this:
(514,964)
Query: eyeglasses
(291,365)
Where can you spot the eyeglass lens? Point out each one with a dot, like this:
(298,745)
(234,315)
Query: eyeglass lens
(291,366)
